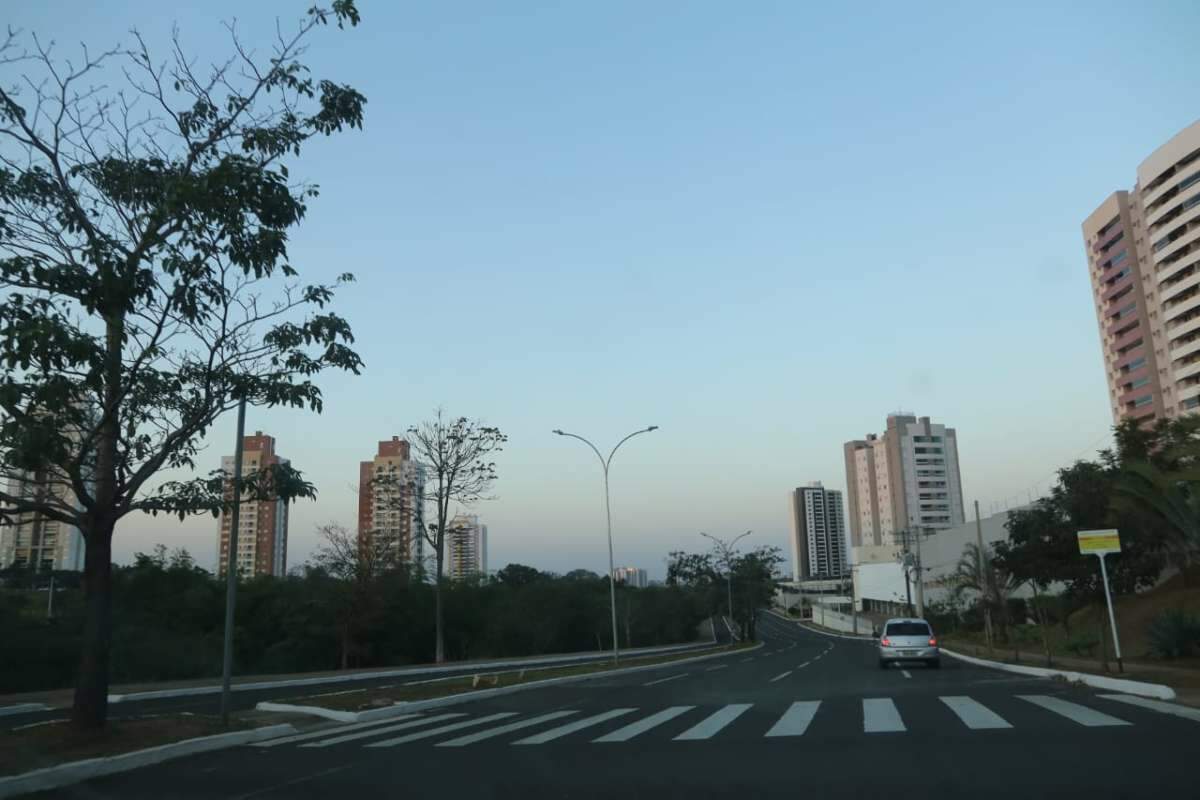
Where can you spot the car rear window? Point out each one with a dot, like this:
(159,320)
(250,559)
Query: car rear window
(908,629)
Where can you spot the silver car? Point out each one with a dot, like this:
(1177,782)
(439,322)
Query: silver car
(905,639)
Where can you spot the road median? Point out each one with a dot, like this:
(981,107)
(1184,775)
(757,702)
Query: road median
(384,702)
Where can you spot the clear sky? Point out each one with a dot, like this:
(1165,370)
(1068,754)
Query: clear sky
(761,226)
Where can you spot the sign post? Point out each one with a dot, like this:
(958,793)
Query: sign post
(1100,544)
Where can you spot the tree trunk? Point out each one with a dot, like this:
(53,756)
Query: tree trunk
(440,644)
(345,645)
(987,628)
(90,709)
(1040,614)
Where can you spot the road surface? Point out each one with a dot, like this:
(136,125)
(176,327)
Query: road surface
(808,715)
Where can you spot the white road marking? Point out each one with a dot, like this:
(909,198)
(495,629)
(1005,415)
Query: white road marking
(375,731)
(905,673)
(714,722)
(412,737)
(744,660)
(881,716)
(1072,711)
(1156,705)
(780,676)
(975,715)
(642,725)
(664,680)
(795,720)
(572,727)
(714,669)
(331,731)
(471,738)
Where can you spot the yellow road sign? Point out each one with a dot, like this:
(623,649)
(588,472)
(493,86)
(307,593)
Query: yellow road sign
(1099,542)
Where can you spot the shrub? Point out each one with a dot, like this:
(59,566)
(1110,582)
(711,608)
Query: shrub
(1174,633)
(1082,643)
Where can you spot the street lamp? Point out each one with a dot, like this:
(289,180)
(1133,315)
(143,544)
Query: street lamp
(727,557)
(605,463)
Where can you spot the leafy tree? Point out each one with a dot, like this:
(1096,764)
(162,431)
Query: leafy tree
(519,575)
(455,453)
(755,576)
(143,235)
(977,571)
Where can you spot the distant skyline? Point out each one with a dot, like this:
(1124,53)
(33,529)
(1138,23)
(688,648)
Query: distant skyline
(761,228)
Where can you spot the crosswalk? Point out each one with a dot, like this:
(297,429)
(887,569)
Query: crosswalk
(876,716)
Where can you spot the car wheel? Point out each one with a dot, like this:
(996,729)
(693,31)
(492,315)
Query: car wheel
(882,664)
(935,663)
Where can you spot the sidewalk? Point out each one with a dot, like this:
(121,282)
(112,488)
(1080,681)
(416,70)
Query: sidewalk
(1184,680)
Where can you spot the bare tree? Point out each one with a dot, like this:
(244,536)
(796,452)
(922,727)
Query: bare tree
(455,454)
(357,566)
(140,230)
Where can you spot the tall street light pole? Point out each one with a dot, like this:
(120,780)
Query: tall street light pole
(612,581)
(231,575)
(727,556)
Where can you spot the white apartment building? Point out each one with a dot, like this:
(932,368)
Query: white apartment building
(631,576)
(35,541)
(466,547)
(905,478)
(819,544)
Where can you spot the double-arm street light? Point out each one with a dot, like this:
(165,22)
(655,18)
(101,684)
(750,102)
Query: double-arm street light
(605,463)
(727,557)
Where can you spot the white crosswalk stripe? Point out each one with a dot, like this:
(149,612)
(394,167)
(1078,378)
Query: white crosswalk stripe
(1073,711)
(572,727)
(706,728)
(1156,705)
(795,720)
(349,737)
(974,715)
(490,733)
(642,725)
(302,737)
(880,715)
(470,723)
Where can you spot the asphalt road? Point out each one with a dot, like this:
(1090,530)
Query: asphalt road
(806,715)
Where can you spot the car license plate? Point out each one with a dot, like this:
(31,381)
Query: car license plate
(908,652)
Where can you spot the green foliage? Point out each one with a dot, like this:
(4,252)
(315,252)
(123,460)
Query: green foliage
(169,615)
(1082,643)
(1174,633)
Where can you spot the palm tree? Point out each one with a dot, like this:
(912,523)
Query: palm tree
(1172,497)
(977,572)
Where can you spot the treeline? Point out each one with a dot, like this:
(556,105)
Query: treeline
(168,616)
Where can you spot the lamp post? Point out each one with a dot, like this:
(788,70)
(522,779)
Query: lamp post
(727,557)
(605,463)
(231,566)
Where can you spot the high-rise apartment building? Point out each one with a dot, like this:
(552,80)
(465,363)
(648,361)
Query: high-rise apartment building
(32,540)
(391,508)
(1143,250)
(905,478)
(262,524)
(818,533)
(466,547)
(631,576)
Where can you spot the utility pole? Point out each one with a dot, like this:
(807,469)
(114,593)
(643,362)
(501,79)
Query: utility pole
(987,611)
(50,599)
(231,565)
(920,578)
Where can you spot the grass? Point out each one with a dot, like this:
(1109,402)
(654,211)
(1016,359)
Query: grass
(381,696)
(46,745)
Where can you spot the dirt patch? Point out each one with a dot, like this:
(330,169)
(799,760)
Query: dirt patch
(381,696)
(49,744)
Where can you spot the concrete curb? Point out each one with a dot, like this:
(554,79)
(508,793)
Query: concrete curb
(23,708)
(1155,690)
(822,631)
(76,771)
(567,658)
(481,694)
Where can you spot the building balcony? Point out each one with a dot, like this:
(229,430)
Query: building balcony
(1116,288)
(1107,238)
(1140,413)
(1126,339)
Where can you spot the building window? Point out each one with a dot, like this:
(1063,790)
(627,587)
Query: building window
(1144,400)
(1137,363)
(1190,403)
(1139,383)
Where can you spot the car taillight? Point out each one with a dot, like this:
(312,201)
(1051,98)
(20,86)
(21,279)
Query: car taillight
(932,642)
(886,642)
